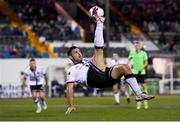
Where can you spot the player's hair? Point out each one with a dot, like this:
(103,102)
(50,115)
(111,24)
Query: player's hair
(70,50)
(32,59)
(137,42)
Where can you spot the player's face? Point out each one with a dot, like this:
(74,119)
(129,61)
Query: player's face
(32,65)
(137,46)
(76,55)
(115,56)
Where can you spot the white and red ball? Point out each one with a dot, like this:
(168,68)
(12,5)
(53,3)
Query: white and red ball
(96,11)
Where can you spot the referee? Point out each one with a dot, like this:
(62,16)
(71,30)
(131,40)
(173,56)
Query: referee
(139,62)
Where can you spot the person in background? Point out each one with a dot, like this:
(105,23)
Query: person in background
(121,86)
(139,62)
(36,77)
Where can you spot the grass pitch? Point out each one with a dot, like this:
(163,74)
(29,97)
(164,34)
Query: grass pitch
(92,109)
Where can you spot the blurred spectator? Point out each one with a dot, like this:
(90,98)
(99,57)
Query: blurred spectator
(44,20)
(162,39)
(42,17)
(162,14)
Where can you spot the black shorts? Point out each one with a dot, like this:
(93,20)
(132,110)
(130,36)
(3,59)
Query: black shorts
(140,78)
(99,79)
(37,88)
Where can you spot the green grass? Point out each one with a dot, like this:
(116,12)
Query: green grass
(92,108)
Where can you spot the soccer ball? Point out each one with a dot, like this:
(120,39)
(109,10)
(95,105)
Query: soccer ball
(96,11)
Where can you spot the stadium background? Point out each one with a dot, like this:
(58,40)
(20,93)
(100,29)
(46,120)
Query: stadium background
(45,29)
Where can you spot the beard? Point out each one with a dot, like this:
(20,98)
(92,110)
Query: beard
(76,61)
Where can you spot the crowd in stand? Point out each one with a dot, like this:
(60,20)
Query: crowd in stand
(14,44)
(44,20)
(151,15)
(160,16)
(148,15)
(42,17)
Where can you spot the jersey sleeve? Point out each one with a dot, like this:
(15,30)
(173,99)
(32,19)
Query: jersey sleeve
(71,76)
(25,74)
(130,55)
(145,56)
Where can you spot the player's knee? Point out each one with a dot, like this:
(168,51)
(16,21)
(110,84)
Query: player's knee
(117,68)
(115,88)
(126,68)
(34,97)
(122,68)
(42,97)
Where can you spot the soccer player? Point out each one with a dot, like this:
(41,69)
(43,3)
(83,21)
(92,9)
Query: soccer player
(36,77)
(139,61)
(121,85)
(94,72)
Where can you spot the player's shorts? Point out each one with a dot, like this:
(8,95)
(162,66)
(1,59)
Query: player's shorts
(99,79)
(37,88)
(140,78)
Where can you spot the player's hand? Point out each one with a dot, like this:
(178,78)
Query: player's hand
(70,109)
(141,68)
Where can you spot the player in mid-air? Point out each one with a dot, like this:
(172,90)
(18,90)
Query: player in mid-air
(120,86)
(94,72)
(36,77)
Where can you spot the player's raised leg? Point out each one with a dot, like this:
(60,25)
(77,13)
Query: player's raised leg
(98,58)
(124,69)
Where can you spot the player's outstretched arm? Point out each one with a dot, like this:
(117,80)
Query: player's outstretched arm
(70,98)
(144,66)
(23,86)
(46,80)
